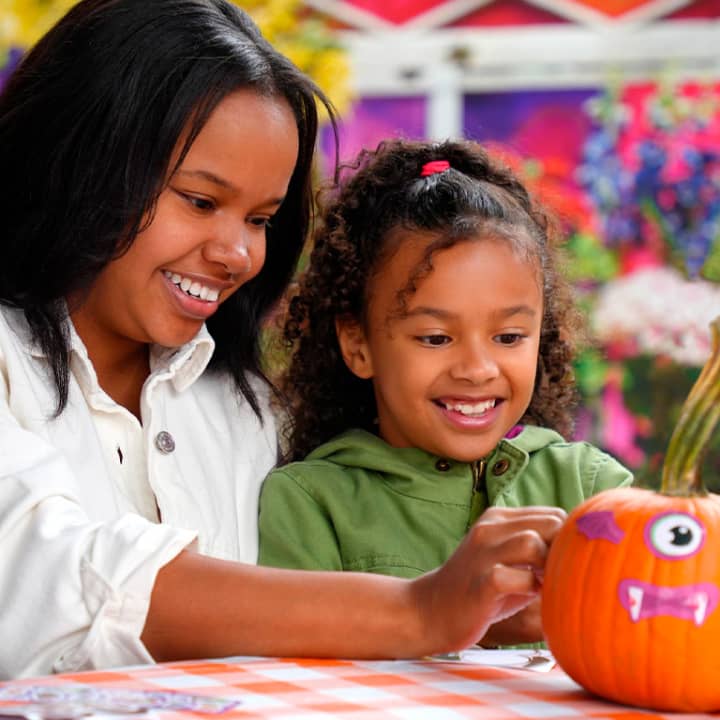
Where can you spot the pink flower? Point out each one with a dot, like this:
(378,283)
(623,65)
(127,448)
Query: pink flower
(619,425)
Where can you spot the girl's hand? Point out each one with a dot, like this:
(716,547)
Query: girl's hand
(492,575)
(523,627)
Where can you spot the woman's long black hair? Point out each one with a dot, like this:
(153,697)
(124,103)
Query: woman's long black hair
(88,124)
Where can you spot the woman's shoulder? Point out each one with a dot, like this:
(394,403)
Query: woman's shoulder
(21,358)
(14,329)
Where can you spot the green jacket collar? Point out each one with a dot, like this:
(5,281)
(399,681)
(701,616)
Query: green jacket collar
(421,474)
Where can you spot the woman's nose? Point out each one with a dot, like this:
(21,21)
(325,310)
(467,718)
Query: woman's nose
(232,249)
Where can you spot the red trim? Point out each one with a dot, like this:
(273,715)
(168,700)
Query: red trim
(614,8)
(700,9)
(395,11)
(508,13)
(518,12)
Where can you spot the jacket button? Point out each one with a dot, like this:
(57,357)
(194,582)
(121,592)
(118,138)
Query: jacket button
(164,442)
(442,465)
(500,467)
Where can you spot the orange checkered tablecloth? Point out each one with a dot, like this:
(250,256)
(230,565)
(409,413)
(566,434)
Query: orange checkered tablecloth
(359,690)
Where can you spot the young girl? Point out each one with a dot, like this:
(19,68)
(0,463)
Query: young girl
(157,157)
(432,366)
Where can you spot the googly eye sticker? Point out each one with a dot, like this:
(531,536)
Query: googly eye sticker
(674,535)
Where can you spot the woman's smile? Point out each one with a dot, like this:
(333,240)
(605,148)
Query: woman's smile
(198,299)
(195,288)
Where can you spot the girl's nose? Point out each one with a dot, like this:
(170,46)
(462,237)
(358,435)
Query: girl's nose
(476,365)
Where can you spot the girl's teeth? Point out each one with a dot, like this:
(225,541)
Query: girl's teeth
(471,408)
(185,284)
(195,289)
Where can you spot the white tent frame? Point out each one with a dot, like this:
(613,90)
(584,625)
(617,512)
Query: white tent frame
(424,57)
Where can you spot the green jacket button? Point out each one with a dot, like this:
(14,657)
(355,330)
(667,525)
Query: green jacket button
(442,465)
(500,467)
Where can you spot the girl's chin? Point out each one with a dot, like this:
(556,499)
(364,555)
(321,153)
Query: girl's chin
(468,449)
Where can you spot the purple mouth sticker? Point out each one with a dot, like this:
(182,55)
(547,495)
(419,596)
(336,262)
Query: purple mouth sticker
(643,600)
(600,525)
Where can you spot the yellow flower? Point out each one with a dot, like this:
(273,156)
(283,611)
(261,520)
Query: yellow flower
(23,22)
(288,24)
(306,39)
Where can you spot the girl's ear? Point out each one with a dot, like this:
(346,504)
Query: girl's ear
(354,347)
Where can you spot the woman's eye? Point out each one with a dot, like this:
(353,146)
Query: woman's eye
(508,338)
(199,203)
(433,340)
(260,221)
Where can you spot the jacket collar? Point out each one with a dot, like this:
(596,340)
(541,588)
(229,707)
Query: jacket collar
(415,472)
(181,365)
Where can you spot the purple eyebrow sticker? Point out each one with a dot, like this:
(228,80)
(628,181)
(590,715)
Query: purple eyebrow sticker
(600,525)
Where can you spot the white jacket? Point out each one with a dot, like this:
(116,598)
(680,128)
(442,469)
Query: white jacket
(77,562)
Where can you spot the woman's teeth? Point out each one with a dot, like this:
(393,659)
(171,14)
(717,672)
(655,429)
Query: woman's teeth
(479,408)
(193,287)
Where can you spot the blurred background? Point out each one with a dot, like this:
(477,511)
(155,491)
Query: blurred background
(610,110)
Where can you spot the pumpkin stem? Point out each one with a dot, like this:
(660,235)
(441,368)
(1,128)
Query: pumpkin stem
(698,417)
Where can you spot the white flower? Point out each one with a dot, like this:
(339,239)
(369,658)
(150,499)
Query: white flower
(661,312)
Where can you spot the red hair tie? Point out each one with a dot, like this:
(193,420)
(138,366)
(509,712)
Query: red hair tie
(436,166)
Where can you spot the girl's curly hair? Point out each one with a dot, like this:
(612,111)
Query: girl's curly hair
(383,190)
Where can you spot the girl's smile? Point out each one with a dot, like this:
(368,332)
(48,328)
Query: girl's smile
(468,412)
(455,369)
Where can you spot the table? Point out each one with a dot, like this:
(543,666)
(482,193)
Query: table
(303,689)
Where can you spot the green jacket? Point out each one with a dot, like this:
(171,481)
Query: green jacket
(357,503)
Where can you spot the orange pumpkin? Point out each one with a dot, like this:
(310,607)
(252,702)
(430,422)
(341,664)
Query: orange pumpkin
(631,595)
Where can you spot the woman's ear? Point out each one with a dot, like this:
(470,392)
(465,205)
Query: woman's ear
(354,347)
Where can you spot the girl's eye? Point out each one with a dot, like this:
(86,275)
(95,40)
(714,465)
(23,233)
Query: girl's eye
(433,340)
(508,338)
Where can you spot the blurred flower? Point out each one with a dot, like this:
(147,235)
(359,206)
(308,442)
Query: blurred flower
(652,170)
(620,427)
(305,38)
(297,32)
(22,22)
(656,311)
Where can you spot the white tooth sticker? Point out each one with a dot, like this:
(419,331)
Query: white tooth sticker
(701,603)
(636,597)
